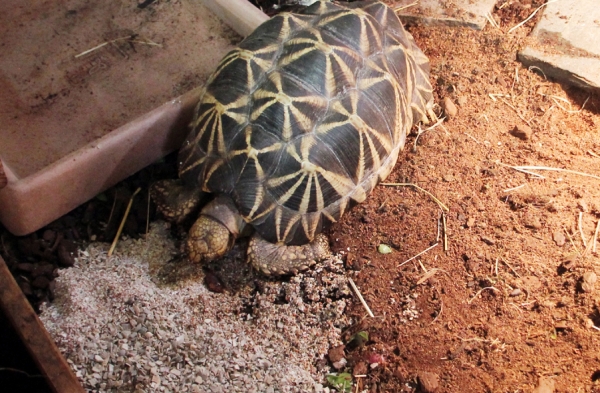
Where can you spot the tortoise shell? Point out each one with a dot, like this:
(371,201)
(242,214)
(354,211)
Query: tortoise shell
(307,115)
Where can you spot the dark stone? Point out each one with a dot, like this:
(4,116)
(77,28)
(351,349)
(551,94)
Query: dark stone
(66,253)
(49,236)
(43,269)
(25,267)
(40,282)
(336,354)
(213,283)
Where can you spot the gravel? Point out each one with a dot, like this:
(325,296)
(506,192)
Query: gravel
(124,324)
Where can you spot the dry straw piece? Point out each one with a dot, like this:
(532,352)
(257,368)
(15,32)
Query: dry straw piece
(403,7)
(531,15)
(129,38)
(118,235)
(440,204)
(479,292)
(360,297)
(529,168)
(595,241)
(419,254)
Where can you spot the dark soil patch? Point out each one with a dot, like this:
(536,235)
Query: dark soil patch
(35,260)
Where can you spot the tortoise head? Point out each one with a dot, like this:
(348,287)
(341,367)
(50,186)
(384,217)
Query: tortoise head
(208,239)
(215,231)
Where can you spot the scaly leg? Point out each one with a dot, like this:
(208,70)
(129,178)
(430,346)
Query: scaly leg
(279,259)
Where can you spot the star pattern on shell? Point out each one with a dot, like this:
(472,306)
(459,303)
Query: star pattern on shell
(305,118)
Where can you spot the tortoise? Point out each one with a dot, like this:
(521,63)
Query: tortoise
(294,127)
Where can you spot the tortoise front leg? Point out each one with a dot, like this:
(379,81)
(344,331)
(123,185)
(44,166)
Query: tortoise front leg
(174,200)
(278,259)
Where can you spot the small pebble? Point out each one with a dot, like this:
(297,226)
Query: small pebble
(560,325)
(488,240)
(529,283)
(515,292)
(66,253)
(589,323)
(588,281)
(428,381)
(43,269)
(449,108)
(360,368)
(26,267)
(340,364)
(41,282)
(559,238)
(545,385)
(335,354)
(501,81)
(26,288)
(582,205)
(522,132)
(213,283)
(532,221)
(400,373)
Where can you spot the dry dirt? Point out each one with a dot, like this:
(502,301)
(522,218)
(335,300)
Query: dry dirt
(508,307)
(506,304)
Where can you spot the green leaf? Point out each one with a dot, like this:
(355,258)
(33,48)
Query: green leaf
(102,197)
(361,337)
(341,382)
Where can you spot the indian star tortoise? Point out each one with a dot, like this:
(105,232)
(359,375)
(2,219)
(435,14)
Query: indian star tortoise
(295,126)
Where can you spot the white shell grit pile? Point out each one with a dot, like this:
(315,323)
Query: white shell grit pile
(123,329)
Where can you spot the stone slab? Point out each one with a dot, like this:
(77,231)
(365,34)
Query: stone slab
(466,13)
(566,43)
